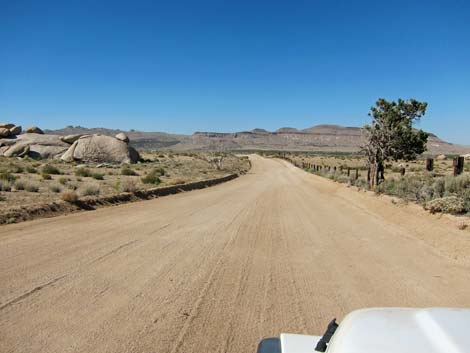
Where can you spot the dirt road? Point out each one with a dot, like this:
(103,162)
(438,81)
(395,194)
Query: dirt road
(215,270)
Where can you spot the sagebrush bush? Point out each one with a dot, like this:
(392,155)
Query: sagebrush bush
(447,204)
(82,172)
(97,176)
(55,188)
(90,190)
(6,175)
(31,187)
(46,176)
(50,169)
(30,169)
(151,179)
(5,185)
(62,180)
(126,170)
(128,185)
(19,185)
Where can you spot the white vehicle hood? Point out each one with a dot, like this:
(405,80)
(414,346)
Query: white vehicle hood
(394,330)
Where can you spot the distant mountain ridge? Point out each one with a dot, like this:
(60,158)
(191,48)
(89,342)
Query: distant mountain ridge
(316,138)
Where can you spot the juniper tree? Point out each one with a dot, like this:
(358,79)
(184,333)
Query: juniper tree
(391,134)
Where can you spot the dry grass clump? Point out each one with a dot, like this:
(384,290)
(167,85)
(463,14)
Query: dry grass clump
(126,170)
(55,188)
(69,196)
(128,185)
(31,187)
(90,190)
(50,169)
(177,181)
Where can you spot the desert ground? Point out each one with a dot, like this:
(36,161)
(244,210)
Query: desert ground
(25,182)
(215,270)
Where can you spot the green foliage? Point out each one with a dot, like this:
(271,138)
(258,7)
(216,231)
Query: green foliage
(62,180)
(55,188)
(391,130)
(19,185)
(126,170)
(83,172)
(30,169)
(6,175)
(32,187)
(97,176)
(50,169)
(90,190)
(5,185)
(151,178)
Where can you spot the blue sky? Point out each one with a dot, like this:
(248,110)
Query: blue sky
(182,66)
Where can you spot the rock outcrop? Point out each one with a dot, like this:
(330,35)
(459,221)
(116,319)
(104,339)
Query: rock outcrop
(123,137)
(33,130)
(84,148)
(102,149)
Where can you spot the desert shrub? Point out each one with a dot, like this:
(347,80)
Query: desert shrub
(361,183)
(31,187)
(2,198)
(128,185)
(447,204)
(466,200)
(151,178)
(46,176)
(439,187)
(126,170)
(69,196)
(158,171)
(342,179)
(62,180)
(55,188)
(5,185)
(97,176)
(90,190)
(30,169)
(83,172)
(50,169)
(14,168)
(396,169)
(19,185)
(6,175)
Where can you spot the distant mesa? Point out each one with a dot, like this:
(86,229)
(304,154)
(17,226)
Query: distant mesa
(322,138)
(287,130)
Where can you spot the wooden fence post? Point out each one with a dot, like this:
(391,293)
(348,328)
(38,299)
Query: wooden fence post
(458,165)
(357,174)
(402,171)
(429,164)
(349,171)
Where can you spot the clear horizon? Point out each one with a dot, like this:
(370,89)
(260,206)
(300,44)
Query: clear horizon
(214,66)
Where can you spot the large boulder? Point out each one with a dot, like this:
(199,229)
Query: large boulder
(103,149)
(33,130)
(7,125)
(17,150)
(4,132)
(15,130)
(123,137)
(8,141)
(68,155)
(71,138)
(43,146)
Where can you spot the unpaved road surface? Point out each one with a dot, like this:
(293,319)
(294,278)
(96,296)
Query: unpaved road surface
(216,270)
